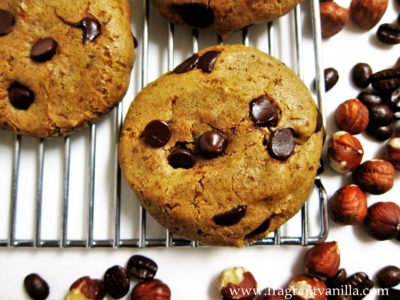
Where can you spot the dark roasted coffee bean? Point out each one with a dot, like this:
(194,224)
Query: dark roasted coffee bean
(44,49)
(157,133)
(142,267)
(360,282)
(388,277)
(212,143)
(360,74)
(188,65)
(36,287)
(7,22)
(370,97)
(20,96)
(389,34)
(181,158)
(260,229)
(264,112)
(397,64)
(195,15)
(395,100)
(230,217)
(331,78)
(117,282)
(392,294)
(207,61)
(381,133)
(338,280)
(281,143)
(386,80)
(380,115)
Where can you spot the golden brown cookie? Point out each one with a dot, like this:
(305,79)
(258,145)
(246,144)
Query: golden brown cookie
(225,16)
(225,148)
(62,63)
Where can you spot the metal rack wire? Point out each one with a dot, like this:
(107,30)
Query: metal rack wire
(143,240)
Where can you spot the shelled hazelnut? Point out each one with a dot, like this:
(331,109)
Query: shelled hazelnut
(333,18)
(153,289)
(367,13)
(383,220)
(393,152)
(303,287)
(352,116)
(323,259)
(86,288)
(237,283)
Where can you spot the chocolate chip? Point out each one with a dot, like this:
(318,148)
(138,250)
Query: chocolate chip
(195,15)
(181,158)
(7,22)
(20,96)
(212,143)
(188,65)
(281,143)
(260,229)
(157,133)
(264,112)
(231,217)
(207,61)
(91,28)
(142,267)
(117,282)
(44,49)
(386,80)
(36,287)
(389,34)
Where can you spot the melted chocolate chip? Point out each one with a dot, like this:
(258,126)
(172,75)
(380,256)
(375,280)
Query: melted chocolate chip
(195,15)
(20,96)
(7,22)
(212,143)
(91,28)
(263,112)
(44,49)
(231,217)
(188,65)
(207,61)
(157,133)
(281,143)
(181,158)
(260,229)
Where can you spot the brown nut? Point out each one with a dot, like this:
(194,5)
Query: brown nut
(374,176)
(307,288)
(344,152)
(237,283)
(153,289)
(393,152)
(86,288)
(333,18)
(349,205)
(383,220)
(323,260)
(352,116)
(367,13)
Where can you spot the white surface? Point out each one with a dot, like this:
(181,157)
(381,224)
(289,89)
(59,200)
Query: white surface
(191,273)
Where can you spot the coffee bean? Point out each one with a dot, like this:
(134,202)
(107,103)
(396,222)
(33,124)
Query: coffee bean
(207,61)
(331,78)
(389,277)
(392,294)
(360,282)
(264,112)
(380,115)
(181,158)
(338,280)
(142,267)
(157,133)
(116,282)
(20,96)
(381,133)
(360,74)
(231,217)
(7,22)
(386,80)
(389,34)
(370,97)
(43,50)
(36,287)
(260,229)
(397,64)
(195,15)
(281,143)
(395,100)
(212,143)
(188,65)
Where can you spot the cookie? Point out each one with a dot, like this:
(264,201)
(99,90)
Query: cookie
(222,17)
(225,148)
(63,64)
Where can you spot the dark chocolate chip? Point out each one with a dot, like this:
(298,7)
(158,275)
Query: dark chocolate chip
(331,77)
(195,15)
(386,80)
(281,143)
(260,229)
(91,28)
(212,143)
(207,61)
(320,121)
(188,65)
(7,22)
(36,287)
(44,49)
(142,267)
(264,112)
(230,217)
(157,133)
(181,158)
(20,96)
(117,282)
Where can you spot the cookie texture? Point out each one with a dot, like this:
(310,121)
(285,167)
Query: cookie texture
(224,16)
(225,148)
(63,64)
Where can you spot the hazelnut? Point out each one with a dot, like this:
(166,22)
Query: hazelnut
(153,289)
(323,260)
(349,205)
(307,288)
(383,220)
(333,18)
(352,116)
(393,152)
(86,288)
(374,176)
(237,283)
(367,13)
(344,152)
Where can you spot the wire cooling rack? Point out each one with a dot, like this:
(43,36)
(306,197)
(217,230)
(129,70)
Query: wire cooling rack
(28,167)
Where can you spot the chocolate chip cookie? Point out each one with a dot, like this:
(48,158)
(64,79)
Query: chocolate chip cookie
(63,64)
(222,17)
(225,148)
